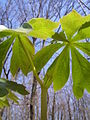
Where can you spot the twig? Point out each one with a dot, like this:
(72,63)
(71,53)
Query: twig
(82,7)
(84,4)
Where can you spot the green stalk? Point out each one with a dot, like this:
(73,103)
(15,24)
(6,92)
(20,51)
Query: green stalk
(43,88)
(43,103)
(32,64)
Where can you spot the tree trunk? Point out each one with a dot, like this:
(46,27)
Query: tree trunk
(0,115)
(69,109)
(53,107)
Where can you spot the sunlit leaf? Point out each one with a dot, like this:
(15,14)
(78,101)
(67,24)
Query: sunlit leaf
(5,33)
(48,79)
(42,28)
(19,57)
(82,34)
(84,46)
(42,57)
(24,29)
(85,25)
(62,69)
(80,73)
(60,37)
(74,28)
(4,103)
(78,91)
(72,22)
(13,97)
(4,47)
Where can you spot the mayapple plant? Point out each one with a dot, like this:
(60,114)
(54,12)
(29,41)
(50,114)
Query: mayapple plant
(75,28)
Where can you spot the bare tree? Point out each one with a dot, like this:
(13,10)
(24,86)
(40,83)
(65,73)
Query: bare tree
(14,13)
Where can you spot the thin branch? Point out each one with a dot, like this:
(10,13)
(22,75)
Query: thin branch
(82,7)
(6,74)
(84,4)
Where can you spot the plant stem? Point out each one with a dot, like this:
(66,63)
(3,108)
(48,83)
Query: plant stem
(43,88)
(34,70)
(43,103)
(32,64)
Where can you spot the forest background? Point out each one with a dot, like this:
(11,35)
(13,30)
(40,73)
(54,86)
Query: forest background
(62,105)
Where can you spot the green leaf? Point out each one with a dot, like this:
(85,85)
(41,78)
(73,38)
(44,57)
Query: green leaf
(5,84)
(84,46)
(48,79)
(19,57)
(78,91)
(13,97)
(27,26)
(27,44)
(42,57)
(5,33)
(60,37)
(62,69)
(39,34)
(72,22)
(24,29)
(85,25)
(3,91)
(4,103)
(42,28)
(4,47)
(82,34)
(80,73)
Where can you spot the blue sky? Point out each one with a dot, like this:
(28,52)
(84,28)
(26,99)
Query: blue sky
(2,1)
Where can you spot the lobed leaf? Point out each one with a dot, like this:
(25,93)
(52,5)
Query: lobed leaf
(42,28)
(80,73)
(48,79)
(4,103)
(62,69)
(42,57)
(84,46)
(24,29)
(5,85)
(85,25)
(3,91)
(5,33)
(82,34)
(60,37)
(19,58)
(4,47)
(72,22)
(13,97)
